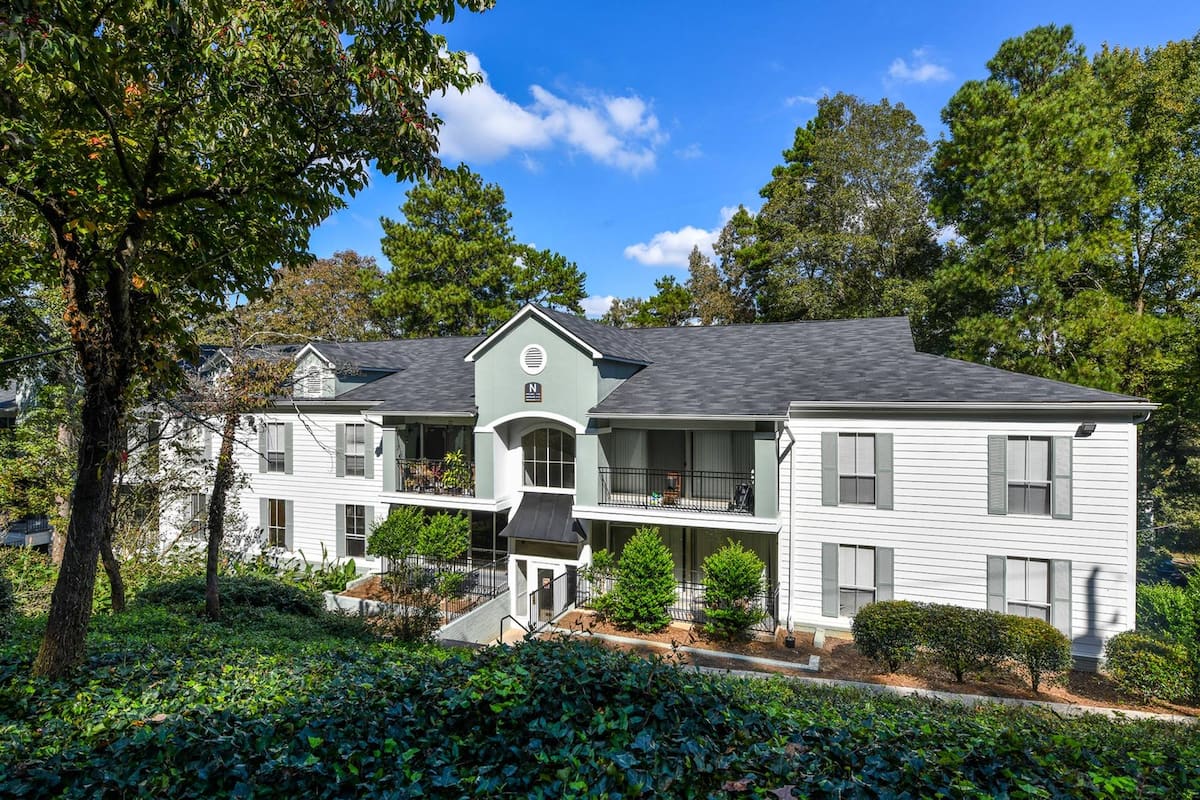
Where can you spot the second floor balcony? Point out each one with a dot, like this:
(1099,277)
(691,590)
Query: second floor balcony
(448,476)
(680,490)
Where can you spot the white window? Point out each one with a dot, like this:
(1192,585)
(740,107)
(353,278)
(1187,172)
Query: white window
(275,454)
(356,531)
(856,468)
(549,458)
(198,519)
(856,578)
(1028,475)
(277,523)
(1027,587)
(356,450)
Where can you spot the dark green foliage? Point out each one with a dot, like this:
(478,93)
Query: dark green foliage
(1172,613)
(889,632)
(398,536)
(446,536)
(1038,647)
(285,707)
(645,584)
(732,583)
(964,639)
(8,602)
(248,591)
(1146,667)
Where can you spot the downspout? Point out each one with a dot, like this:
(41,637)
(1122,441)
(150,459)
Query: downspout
(791,519)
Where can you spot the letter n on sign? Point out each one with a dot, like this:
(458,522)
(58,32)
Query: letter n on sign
(533,392)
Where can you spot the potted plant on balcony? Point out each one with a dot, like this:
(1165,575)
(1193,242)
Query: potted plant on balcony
(456,472)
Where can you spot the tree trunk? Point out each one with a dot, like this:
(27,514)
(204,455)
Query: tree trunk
(58,535)
(216,516)
(71,603)
(113,570)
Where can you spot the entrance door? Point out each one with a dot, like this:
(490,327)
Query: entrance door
(545,595)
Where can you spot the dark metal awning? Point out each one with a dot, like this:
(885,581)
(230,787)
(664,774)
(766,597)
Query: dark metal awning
(545,517)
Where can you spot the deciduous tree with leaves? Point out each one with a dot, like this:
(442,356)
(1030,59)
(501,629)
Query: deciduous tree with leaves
(171,155)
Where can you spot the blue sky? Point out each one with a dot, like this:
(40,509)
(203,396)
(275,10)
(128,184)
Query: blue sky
(624,132)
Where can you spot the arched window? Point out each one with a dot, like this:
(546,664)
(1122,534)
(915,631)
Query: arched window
(549,456)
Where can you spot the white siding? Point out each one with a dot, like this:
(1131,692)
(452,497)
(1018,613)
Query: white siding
(940,528)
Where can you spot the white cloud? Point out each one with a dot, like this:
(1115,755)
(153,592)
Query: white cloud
(672,248)
(597,305)
(806,99)
(690,152)
(921,70)
(484,125)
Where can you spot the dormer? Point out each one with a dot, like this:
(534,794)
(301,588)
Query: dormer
(315,378)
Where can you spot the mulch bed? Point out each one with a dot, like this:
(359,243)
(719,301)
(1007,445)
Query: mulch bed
(374,589)
(840,660)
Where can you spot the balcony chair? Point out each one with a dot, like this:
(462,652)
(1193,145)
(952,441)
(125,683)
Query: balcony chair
(671,492)
(743,498)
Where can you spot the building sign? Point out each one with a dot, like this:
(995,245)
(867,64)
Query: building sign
(533,392)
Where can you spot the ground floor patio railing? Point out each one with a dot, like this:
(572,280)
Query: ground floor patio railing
(689,600)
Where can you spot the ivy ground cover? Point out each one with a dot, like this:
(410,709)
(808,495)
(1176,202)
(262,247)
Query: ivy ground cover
(267,704)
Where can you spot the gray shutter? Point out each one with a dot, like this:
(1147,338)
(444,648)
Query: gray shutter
(339,439)
(289,509)
(885,584)
(262,446)
(287,449)
(997,474)
(203,507)
(369,519)
(883,470)
(339,512)
(369,452)
(264,517)
(829,579)
(389,460)
(1060,595)
(996,577)
(829,471)
(208,444)
(1060,491)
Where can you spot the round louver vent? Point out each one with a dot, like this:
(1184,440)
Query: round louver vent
(533,359)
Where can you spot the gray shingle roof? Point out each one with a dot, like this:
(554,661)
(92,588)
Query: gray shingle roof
(615,343)
(759,370)
(429,375)
(8,396)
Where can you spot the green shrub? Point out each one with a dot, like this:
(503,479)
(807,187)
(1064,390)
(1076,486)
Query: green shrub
(963,639)
(1146,667)
(1165,610)
(445,536)
(645,584)
(8,602)
(399,536)
(250,591)
(732,583)
(1040,648)
(889,632)
(32,576)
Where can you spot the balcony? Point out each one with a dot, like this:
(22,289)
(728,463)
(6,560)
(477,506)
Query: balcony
(435,476)
(680,490)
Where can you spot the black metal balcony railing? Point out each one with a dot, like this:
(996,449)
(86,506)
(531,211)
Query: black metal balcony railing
(434,476)
(682,490)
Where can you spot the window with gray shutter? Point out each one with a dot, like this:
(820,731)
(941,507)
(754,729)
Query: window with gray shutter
(856,469)
(277,523)
(1031,587)
(275,450)
(1028,471)
(355,524)
(356,450)
(856,578)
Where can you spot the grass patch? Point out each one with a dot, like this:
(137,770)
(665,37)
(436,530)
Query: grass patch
(282,705)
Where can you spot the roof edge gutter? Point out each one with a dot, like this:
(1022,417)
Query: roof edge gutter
(1132,407)
(700,417)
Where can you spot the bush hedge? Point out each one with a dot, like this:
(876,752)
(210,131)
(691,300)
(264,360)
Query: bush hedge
(964,639)
(732,583)
(8,602)
(249,591)
(1148,667)
(1041,650)
(890,632)
(645,584)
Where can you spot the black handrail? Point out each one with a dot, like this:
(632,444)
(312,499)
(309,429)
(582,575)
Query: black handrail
(680,489)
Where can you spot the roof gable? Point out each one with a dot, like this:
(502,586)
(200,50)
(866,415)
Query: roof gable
(598,341)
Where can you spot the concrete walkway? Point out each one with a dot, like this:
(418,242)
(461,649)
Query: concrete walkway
(1062,709)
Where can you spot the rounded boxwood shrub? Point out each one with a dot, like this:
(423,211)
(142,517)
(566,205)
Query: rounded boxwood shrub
(963,639)
(890,631)
(645,585)
(250,591)
(732,582)
(1040,648)
(1146,667)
